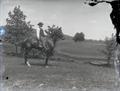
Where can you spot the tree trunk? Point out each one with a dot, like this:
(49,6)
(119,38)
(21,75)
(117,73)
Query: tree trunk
(46,61)
(108,61)
(21,50)
(54,42)
(16,49)
(33,53)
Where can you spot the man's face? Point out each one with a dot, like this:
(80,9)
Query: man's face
(40,24)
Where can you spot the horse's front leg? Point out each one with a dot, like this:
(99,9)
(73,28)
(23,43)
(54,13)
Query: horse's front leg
(26,58)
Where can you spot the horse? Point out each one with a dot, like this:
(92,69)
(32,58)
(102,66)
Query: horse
(45,46)
(45,43)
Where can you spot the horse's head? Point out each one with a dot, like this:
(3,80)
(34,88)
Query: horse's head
(61,34)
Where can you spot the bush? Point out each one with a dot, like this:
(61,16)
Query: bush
(79,37)
(109,49)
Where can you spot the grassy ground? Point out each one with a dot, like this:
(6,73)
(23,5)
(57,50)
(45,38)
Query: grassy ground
(69,70)
(86,48)
(57,74)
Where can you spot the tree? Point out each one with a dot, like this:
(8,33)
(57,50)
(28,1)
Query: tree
(109,48)
(17,29)
(79,37)
(54,34)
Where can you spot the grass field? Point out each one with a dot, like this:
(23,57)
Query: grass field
(86,48)
(69,70)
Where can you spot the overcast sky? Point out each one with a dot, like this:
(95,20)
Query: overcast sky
(72,15)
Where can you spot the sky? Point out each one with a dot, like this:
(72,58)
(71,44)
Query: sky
(72,15)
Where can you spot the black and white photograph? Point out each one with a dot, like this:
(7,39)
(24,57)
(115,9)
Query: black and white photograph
(59,45)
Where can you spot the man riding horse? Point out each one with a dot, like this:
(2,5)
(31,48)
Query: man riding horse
(32,43)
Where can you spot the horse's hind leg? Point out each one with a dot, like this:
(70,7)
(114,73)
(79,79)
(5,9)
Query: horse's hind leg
(26,58)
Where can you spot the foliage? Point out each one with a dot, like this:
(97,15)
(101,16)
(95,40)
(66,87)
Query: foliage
(55,34)
(17,29)
(79,37)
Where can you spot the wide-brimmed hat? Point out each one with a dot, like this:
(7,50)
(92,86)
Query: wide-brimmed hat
(40,23)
